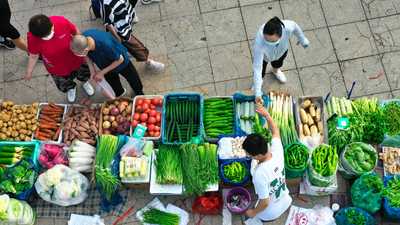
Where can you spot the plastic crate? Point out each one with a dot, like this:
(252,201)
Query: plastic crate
(214,140)
(158,108)
(60,136)
(192,96)
(239,98)
(36,149)
(101,113)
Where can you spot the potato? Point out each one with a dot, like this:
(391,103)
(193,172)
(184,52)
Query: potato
(312,110)
(306,130)
(3,136)
(320,127)
(8,133)
(306,104)
(27,138)
(314,130)
(318,114)
(310,120)
(15,134)
(22,136)
(303,116)
(13,120)
(4,129)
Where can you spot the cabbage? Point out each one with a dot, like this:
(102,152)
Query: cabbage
(67,190)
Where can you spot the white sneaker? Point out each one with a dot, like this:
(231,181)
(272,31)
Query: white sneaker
(154,66)
(135,19)
(280,76)
(146,2)
(87,86)
(71,95)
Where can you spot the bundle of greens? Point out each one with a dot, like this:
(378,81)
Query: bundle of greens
(355,217)
(259,129)
(236,172)
(340,138)
(391,113)
(18,179)
(168,165)
(366,192)
(361,157)
(392,192)
(296,156)
(200,167)
(324,160)
(156,216)
(339,106)
(107,148)
(218,116)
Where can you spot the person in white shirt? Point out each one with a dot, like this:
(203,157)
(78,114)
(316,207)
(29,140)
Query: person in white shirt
(271,45)
(268,172)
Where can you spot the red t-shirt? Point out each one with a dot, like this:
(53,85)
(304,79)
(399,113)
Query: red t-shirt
(56,53)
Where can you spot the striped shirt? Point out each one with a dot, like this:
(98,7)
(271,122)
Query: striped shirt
(120,14)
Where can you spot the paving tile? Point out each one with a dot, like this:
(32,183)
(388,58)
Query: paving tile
(184,34)
(353,40)
(380,8)
(176,8)
(2,90)
(17,62)
(391,63)
(71,11)
(148,13)
(396,94)
(231,61)
(292,86)
(44,221)
(386,32)
(342,11)
(308,201)
(190,68)
(151,35)
(255,16)
(320,80)
(307,13)
(91,24)
(60,3)
(368,74)
(211,5)
(2,65)
(381,96)
(61,221)
(26,91)
(18,5)
(320,50)
(226,88)
(225,26)
(251,2)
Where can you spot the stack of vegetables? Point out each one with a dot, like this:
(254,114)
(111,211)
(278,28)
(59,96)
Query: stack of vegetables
(13,211)
(18,179)
(17,122)
(182,120)
(11,154)
(258,128)
(156,216)
(323,165)
(391,195)
(339,106)
(81,156)
(134,166)
(354,216)
(106,180)
(391,116)
(245,111)
(168,165)
(148,113)
(50,118)
(199,166)
(281,110)
(391,160)
(358,158)
(82,123)
(116,117)
(296,159)
(366,192)
(51,155)
(235,172)
(311,119)
(218,117)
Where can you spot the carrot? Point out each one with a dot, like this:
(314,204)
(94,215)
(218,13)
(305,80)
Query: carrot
(57,134)
(48,125)
(46,117)
(46,121)
(52,105)
(50,109)
(47,131)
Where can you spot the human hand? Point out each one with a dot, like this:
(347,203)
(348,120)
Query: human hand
(98,76)
(259,100)
(250,213)
(262,111)
(28,76)
(305,43)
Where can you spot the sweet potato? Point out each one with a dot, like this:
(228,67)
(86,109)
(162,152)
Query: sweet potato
(84,134)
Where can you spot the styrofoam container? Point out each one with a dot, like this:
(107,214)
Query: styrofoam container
(140,180)
(60,136)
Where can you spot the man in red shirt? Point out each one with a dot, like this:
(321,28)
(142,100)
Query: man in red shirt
(50,37)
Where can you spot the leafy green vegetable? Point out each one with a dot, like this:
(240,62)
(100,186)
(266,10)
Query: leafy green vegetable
(392,192)
(168,165)
(324,160)
(259,129)
(296,156)
(156,216)
(340,138)
(366,192)
(361,157)
(392,117)
(355,217)
(236,172)
(18,178)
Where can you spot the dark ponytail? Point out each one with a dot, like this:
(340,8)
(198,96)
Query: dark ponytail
(273,26)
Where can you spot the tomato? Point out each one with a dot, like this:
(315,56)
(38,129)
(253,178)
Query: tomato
(139,109)
(160,102)
(154,101)
(143,124)
(153,113)
(157,134)
(151,133)
(147,101)
(139,101)
(136,116)
(158,117)
(151,120)
(134,123)
(151,127)
(145,106)
(152,106)
(147,111)
(156,128)
(144,117)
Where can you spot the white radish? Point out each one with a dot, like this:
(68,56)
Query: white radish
(82,168)
(81,160)
(81,155)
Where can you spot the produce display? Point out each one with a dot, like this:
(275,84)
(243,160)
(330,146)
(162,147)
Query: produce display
(339,106)
(360,157)
(392,192)
(168,165)
(107,148)
(246,112)
(81,156)
(366,192)
(353,216)
(236,172)
(18,179)
(148,113)
(258,128)
(218,117)
(116,117)
(199,166)
(11,154)
(391,113)
(13,211)
(17,122)
(391,160)
(133,167)
(183,120)
(296,159)
(340,138)
(82,123)
(156,216)
(324,160)
(310,112)
(229,148)
(50,119)
(51,155)
(281,111)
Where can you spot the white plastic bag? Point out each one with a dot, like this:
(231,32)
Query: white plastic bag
(104,87)
(319,215)
(87,220)
(307,188)
(62,186)
(133,147)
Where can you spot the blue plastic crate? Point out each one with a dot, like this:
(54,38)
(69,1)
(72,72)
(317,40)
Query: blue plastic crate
(389,211)
(36,149)
(224,162)
(181,96)
(239,98)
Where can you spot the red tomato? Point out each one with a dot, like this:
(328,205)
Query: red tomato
(139,102)
(151,133)
(152,106)
(147,101)
(145,106)
(143,124)
(151,127)
(154,101)
(144,117)
(139,109)
(151,120)
(153,113)
(158,117)
(147,110)
(160,102)
(136,116)
(156,128)
(134,123)
(157,134)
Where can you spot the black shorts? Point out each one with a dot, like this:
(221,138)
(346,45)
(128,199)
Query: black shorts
(9,31)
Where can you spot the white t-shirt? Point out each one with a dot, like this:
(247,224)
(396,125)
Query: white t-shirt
(269,182)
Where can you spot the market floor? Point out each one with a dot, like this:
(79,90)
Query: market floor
(206,46)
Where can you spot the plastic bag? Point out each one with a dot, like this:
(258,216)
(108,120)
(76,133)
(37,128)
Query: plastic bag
(346,169)
(318,180)
(133,147)
(13,211)
(318,215)
(62,186)
(391,141)
(390,211)
(367,194)
(208,204)
(105,89)
(346,216)
(307,188)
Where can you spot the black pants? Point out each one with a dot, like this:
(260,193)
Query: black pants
(66,83)
(133,3)
(131,75)
(275,64)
